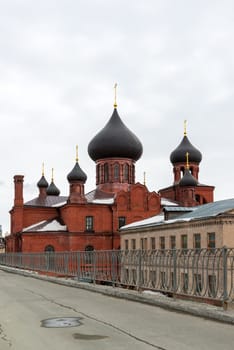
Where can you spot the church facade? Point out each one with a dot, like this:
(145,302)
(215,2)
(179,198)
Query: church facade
(51,222)
(92,221)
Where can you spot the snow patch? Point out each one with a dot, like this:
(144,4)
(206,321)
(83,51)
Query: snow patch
(149,221)
(150,292)
(59,204)
(103,201)
(53,226)
(46,226)
(34,225)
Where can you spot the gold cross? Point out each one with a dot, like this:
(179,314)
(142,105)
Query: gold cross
(185,127)
(115,103)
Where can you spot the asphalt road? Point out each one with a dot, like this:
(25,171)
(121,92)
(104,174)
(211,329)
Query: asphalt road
(36,315)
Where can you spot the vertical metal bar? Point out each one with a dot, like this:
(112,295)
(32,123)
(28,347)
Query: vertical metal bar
(113,264)
(139,258)
(66,264)
(78,265)
(93,260)
(174,270)
(225,293)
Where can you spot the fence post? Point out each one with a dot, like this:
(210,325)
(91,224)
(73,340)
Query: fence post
(139,274)
(94,261)
(113,267)
(225,293)
(78,266)
(174,287)
(66,260)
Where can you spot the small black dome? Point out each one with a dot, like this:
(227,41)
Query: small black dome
(77,174)
(178,155)
(52,190)
(115,140)
(42,183)
(188,179)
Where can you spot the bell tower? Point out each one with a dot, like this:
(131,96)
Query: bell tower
(186,173)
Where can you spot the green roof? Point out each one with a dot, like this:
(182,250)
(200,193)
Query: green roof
(202,211)
(210,209)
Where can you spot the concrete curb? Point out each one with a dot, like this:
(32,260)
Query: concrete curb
(155,299)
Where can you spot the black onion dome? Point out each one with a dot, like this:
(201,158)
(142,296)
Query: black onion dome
(42,183)
(179,154)
(115,140)
(77,174)
(52,190)
(188,179)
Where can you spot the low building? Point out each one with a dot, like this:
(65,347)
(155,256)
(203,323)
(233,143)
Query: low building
(192,253)
(207,226)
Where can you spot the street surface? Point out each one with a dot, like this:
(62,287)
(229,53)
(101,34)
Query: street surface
(36,315)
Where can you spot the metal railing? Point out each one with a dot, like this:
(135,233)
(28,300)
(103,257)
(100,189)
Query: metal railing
(206,273)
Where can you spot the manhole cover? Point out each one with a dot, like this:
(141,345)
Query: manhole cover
(61,322)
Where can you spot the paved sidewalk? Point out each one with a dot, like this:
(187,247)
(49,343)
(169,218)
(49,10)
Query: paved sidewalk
(152,298)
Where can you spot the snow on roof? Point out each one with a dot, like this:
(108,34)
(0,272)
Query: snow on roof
(59,204)
(100,197)
(165,201)
(103,201)
(145,222)
(29,228)
(53,225)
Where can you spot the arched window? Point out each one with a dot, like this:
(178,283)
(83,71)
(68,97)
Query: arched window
(49,248)
(89,248)
(116,171)
(106,173)
(98,173)
(126,172)
(182,172)
(132,174)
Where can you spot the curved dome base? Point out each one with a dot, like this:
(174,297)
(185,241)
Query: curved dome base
(114,174)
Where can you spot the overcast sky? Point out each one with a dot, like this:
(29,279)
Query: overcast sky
(59,61)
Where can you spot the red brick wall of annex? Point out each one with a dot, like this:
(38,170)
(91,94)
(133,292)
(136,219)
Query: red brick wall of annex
(26,216)
(63,241)
(74,216)
(136,204)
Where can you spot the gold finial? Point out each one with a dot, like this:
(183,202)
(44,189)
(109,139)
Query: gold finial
(77,153)
(52,178)
(43,169)
(187,160)
(185,127)
(144,178)
(115,103)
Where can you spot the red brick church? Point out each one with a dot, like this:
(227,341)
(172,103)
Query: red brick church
(80,221)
